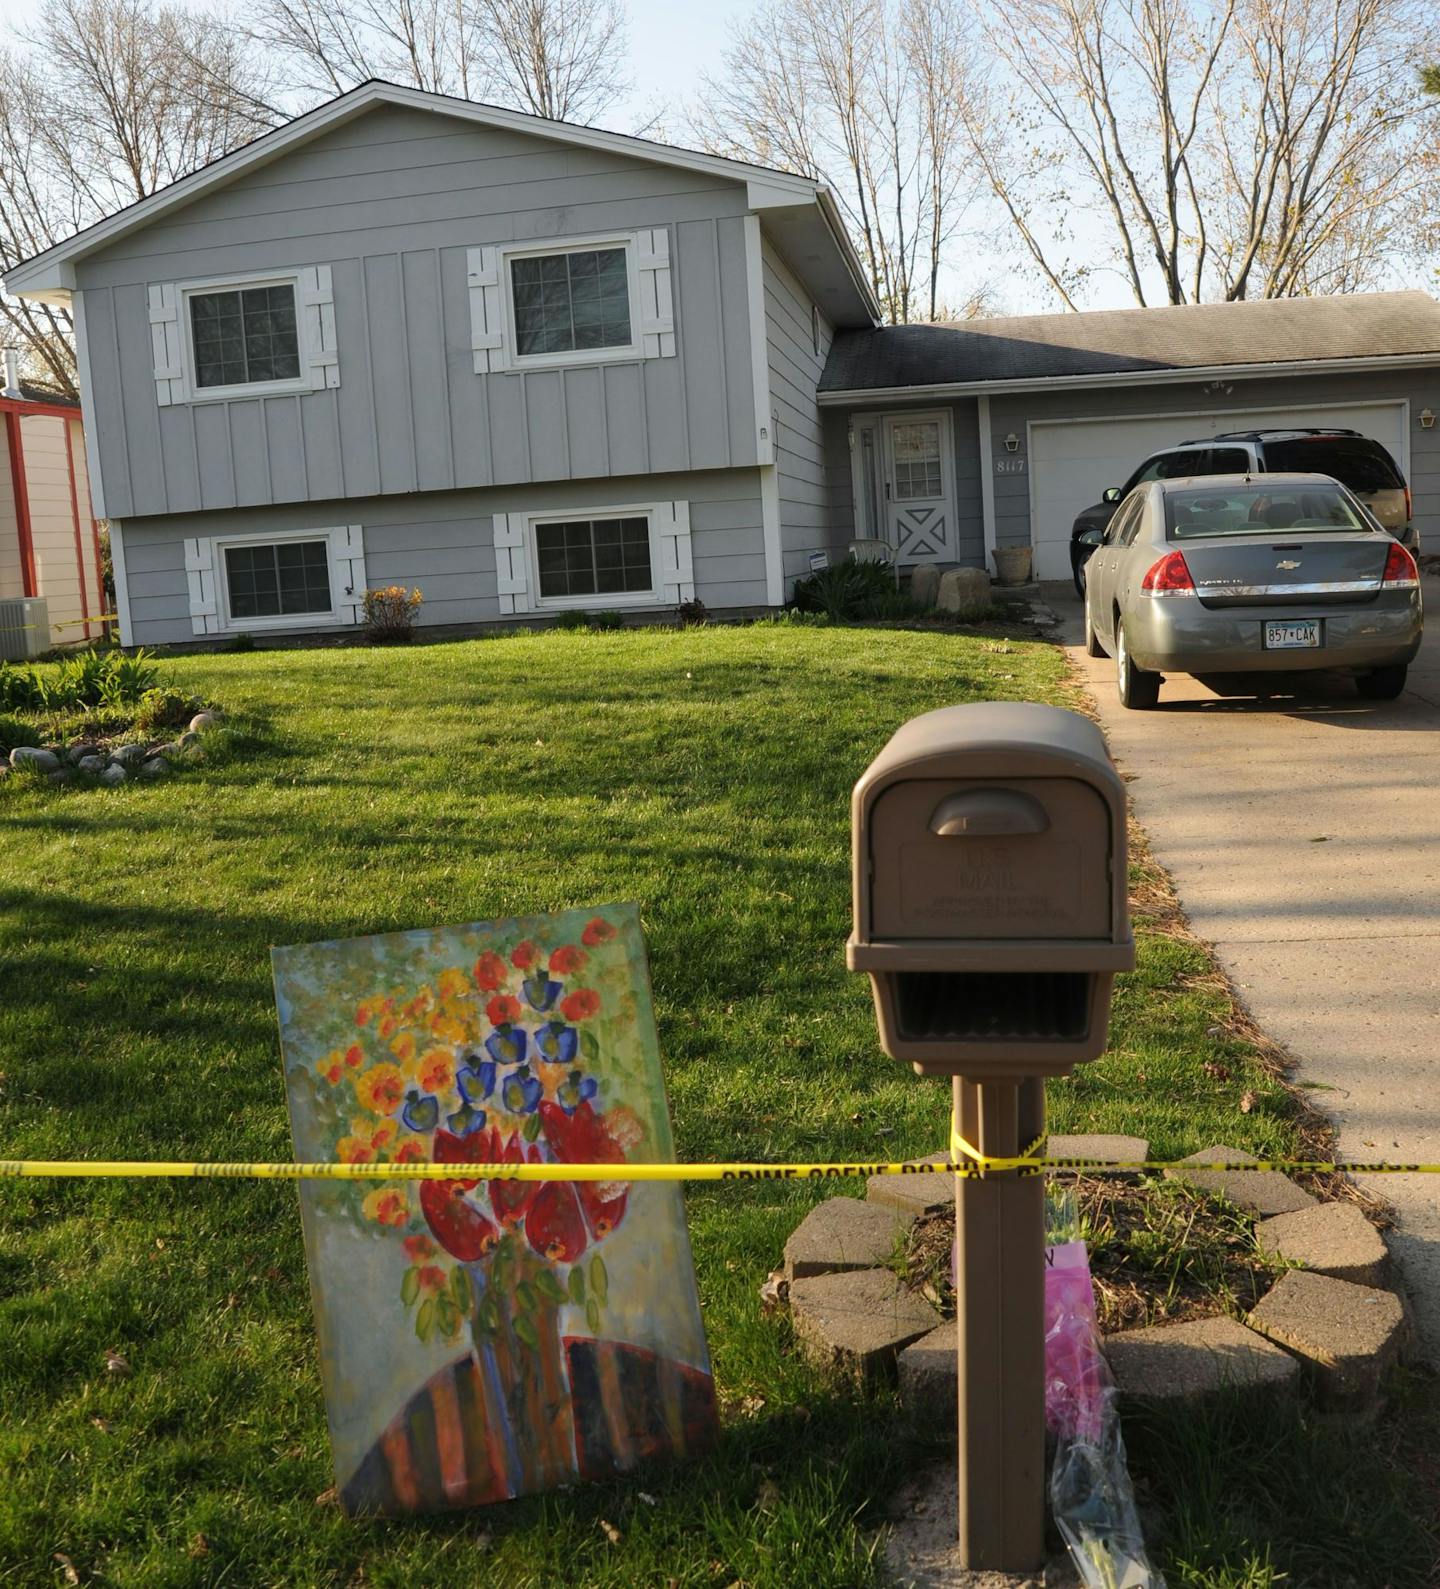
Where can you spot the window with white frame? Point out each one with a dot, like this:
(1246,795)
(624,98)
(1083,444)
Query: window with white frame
(244,336)
(277,579)
(578,300)
(631,556)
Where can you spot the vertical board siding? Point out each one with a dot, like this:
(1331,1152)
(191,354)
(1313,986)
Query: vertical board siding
(391,203)
(805,513)
(443,543)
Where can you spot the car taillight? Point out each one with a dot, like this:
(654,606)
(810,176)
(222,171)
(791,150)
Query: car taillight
(1170,577)
(1400,570)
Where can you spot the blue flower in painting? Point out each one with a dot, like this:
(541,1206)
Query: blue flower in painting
(557,1042)
(540,992)
(421,1112)
(465,1120)
(575,1090)
(506,1044)
(521,1092)
(476,1082)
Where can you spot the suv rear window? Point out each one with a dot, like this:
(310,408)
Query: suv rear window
(1354,461)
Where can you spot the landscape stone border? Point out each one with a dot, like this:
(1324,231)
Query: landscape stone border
(1331,1326)
(117,765)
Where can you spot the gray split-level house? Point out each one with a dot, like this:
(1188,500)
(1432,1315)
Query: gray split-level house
(527,366)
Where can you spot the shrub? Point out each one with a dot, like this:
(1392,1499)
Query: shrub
(166,707)
(851,590)
(13,732)
(86,680)
(580,619)
(390,614)
(694,611)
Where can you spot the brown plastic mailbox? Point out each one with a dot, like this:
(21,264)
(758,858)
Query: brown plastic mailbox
(990,890)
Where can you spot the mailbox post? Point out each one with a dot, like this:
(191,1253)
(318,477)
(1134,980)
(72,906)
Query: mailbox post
(989,866)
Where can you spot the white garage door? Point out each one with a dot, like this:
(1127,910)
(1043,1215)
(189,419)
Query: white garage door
(1073,461)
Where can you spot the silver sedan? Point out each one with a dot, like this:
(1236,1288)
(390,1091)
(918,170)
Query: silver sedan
(1250,574)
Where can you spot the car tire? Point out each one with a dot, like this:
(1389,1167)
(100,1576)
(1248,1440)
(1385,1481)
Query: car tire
(1138,688)
(1093,648)
(1078,574)
(1384,684)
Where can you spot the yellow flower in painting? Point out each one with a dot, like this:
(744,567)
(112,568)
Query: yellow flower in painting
(387,1205)
(332,1067)
(421,1005)
(380,1089)
(403,1048)
(367,1009)
(452,983)
(437,1070)
(388,1024)
(448,1028)
(368,1139)
(411,1151)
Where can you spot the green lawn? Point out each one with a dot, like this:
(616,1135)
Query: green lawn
(704,773)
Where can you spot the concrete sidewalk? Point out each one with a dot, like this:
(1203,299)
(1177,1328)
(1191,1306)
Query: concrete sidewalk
(1303,834)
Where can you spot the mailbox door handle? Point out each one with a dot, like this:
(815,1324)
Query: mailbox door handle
(987,813)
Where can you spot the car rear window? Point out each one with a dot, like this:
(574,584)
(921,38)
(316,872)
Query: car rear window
(1354,461)
(1257,510)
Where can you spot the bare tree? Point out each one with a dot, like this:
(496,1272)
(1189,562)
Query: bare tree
(865,96)
(111,100)
(558,58)
(1216,148)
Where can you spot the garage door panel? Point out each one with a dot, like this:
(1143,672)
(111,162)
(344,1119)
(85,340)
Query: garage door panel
(1072,462)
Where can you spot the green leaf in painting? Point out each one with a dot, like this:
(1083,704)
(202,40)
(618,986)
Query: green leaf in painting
(531,1128)
(425,1319)
(577,1286)
(599,1277)
(548,1287)
(460,1289)
(592,1315)
(525,1329)
(410,1286)
(525,1296)
(447,1315)
(589,1047)
(487,1315)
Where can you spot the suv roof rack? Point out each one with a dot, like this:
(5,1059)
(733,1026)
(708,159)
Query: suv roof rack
(1288,430)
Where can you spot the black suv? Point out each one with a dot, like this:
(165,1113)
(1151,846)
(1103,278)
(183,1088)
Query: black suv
(1356,461)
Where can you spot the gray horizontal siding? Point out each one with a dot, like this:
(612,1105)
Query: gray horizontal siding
(443,543)
(391,202)
(805,510)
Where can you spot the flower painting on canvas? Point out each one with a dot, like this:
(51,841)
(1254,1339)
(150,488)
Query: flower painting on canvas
(483,1338)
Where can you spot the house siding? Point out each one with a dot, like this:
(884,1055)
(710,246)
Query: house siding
(800,464)
(391,202)
(442,543)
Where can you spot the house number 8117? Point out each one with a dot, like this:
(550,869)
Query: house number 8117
(1009,466)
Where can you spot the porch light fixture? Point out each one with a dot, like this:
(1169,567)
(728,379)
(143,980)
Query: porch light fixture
(1427,419)
(1012,442)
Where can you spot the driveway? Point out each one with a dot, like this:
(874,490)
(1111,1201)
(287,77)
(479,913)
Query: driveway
(1303,834)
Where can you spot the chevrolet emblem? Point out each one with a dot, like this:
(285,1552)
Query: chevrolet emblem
(1287,564)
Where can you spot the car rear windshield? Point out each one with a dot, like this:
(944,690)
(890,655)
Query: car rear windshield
(1257,510)
(1354,461)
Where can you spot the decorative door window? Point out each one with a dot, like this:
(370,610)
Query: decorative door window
(915,448)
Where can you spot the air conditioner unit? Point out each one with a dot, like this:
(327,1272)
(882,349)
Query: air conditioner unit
(24,627)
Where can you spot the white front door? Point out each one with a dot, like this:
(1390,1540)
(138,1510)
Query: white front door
(919,496)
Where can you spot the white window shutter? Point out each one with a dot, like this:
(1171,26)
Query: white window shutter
(317,321)
(675,581)
(512,566)
(487,309)
(200,577)
(165,343)
(347,563)
(657,312)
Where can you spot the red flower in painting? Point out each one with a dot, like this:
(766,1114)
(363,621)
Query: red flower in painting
(585,1138)
(353,1055)
(524,955)
(567,958)
(580,1005)
(597,931)
(489,972)
(433,1279)
(504,1009)
(418,1248)
(553,1227)
(511,1200)
(460,1228)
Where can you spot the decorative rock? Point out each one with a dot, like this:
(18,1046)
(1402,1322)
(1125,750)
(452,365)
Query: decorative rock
(172,750)
(1113,1150)
(156,768)
(1348,1334)
(842,1233)
(857,1321)
(60,775)
(929,1372)
(30,756)
(1260,1191)
(1188,1362)
(1332,1239)
(925,584)
(188,739)
(963,591)
(113,774)
(91,764)
(925,1192)
(202,721)
(129,755)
